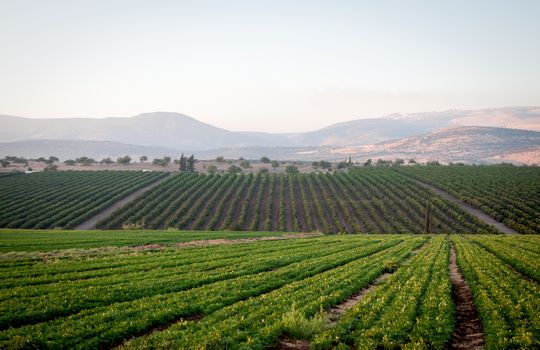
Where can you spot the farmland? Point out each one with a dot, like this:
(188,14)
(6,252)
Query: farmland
(361,201)
(509,194)
(64,199)
(140,291)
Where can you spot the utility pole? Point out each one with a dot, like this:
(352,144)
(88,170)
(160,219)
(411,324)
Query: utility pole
(427,223)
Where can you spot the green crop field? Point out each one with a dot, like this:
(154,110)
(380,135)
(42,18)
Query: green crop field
(361,201)
(62,289)
(64,199)
(509,194)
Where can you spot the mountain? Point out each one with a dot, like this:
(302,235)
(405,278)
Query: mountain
(461,144)
(71,149)
(180,132)
(468,144)
(162,129)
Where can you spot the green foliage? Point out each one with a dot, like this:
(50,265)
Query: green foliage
(125,160)
(265,160)
(291,169)
(64,199)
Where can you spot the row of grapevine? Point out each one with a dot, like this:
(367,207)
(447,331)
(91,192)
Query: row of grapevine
(370,200)
(509,194)
(64,199)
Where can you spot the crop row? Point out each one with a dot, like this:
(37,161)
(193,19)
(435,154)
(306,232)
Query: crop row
(523,260)
(508,305)
(410,309)
(509,194)
(106,325)
(259,322)
(370,200)
(64,199)
(61,299)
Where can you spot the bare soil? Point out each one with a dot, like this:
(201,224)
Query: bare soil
(220,241)
(286,343)
(335,313)
(468,333)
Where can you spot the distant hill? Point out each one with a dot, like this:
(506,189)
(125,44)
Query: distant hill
(461,144)
(70,149)
(468,144)
(162,129)
(180,132)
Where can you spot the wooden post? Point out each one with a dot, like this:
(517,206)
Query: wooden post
(427,223)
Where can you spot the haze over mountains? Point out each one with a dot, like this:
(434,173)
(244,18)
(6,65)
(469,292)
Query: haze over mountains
(159,133)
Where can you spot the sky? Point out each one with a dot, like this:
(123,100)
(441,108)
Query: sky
(276,66)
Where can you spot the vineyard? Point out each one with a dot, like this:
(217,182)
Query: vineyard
(335,291)
(509,194)
(361,201)
(64,199)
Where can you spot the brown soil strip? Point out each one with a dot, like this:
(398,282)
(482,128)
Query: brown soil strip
(285,343)
(335,313)
(207,242)
(468,208)
(192,318)
(468,332)
(90,224)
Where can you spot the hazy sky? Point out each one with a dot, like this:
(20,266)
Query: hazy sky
(266,65)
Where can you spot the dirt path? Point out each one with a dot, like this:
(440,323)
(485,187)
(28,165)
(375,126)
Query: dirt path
(468,208)
(90,224)
(334,313)
(468,332)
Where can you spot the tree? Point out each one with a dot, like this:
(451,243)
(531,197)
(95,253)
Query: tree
(183,163)
(263,170)
(212,169)
(106,161)
(368,162)
(191,164)
(143,159)
(85,161)
(69,162)
(433,163)
(233,169)
(220,159)
(4,163)
(124,160)
(52,160)
(412,161)
(291,169)
(275,164)
(162,161)
(399,162)
(265,160)
(245,164)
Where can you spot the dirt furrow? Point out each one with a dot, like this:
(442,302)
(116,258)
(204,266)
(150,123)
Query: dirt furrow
(468,332)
